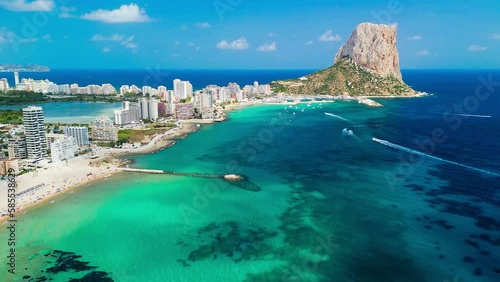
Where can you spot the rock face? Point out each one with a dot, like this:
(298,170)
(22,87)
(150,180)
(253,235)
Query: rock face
(373,47)
(367,65)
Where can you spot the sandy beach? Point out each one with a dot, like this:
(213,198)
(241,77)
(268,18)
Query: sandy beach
(43,184)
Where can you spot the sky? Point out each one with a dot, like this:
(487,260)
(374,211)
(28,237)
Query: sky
(242,34)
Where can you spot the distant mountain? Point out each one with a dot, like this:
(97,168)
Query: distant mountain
(23,68)
(367,65)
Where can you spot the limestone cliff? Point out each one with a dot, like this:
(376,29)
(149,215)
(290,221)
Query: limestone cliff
(373,47)
(368,65)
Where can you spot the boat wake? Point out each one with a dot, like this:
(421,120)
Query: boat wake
(408,150)
(339,117)
(350,133)
(462,115)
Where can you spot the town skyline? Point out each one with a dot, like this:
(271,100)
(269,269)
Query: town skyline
(225,34)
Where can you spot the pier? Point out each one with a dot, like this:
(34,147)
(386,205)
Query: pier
(239,181)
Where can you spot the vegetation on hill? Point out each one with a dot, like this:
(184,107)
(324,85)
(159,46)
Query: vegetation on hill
(14,97)
(139,135)
(344,78)
(11,116)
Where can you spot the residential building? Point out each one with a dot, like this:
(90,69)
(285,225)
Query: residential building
(144,108)
(124,89)
(17,148)
(16,78)
(103,130)
(184,110)
(63,149)
(80,133)
(134,112)
(183,89)
(162,92)
(7,164)
(146,90)
(4,84)
(34,129)
(108,89)
(122,117)
(153,109)
(52,137)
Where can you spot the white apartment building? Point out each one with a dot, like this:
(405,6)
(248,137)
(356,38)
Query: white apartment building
(122,117)
(4,84)
(63,149)
(124,89)
(183,89)
(34,129)
(144,108)
(80,133)
(104,130)
(153,109)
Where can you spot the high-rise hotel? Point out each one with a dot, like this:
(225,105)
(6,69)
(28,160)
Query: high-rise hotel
(36,141)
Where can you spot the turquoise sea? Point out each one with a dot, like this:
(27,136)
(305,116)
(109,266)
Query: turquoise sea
(418,203)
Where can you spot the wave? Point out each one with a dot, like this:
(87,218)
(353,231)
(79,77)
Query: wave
(339,117)
(408,150)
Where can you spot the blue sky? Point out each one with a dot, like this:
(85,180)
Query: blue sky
(240,34)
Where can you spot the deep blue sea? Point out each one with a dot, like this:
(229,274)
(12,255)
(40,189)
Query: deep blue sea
(407,192)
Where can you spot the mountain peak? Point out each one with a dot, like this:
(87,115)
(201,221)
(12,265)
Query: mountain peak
(373,47)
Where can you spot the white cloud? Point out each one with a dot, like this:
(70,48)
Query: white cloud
(203,25)
(125,14)
(238,44)
(7,36)
(184,27)
(270,34)
(106,49)
(114,37)
(329,36)
(267,47)
(475,47)
(415,37)
(27,6)
(423,53)
(309,42)
(198,48)
(47,37)
(177,43)
(129,43)
(495,36)
(396,24)
(191,44)
(66,12)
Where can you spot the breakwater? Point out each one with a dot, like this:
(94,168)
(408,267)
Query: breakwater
(239,181)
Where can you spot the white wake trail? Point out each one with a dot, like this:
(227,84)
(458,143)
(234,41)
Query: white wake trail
(462,115)
(408,150)
(339,117)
